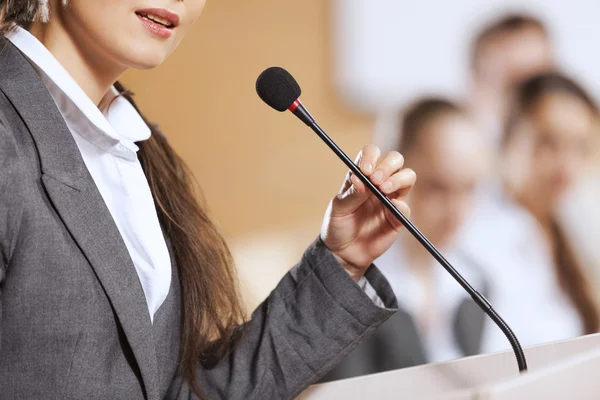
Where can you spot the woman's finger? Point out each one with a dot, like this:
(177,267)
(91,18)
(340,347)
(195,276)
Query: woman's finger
(404,209)
(349,200)
(390,164)
(401,181)
(368,159)
(347,180)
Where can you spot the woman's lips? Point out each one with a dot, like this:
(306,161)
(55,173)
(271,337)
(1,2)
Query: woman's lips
(161,22)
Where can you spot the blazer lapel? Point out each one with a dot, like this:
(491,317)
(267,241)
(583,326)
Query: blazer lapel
(78,202)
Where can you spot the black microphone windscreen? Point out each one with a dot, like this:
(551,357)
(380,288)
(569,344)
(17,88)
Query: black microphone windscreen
(278,88)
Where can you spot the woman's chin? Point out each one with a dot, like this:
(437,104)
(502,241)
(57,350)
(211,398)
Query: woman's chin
(145,62)
(141,58)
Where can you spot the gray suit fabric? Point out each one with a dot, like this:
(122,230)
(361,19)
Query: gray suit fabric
(73,318)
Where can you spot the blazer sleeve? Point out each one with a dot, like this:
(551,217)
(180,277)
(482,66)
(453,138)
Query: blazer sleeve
(316,315)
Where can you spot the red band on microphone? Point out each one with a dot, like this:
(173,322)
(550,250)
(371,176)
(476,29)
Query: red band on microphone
(294,105)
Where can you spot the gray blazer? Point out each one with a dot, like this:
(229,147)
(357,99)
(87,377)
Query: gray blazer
(73,319)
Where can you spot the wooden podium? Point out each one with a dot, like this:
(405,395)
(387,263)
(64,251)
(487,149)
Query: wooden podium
(568,369)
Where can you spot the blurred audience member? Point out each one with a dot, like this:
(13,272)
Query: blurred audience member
(436,319)
(504,53)
(539,284)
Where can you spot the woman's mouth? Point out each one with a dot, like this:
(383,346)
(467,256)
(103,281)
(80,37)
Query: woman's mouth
(159,21)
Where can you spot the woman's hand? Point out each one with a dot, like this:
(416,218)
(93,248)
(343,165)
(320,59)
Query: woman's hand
(357,228)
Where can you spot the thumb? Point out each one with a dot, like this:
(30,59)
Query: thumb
(352,195)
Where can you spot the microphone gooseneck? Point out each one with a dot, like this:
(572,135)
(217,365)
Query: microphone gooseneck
(276,87)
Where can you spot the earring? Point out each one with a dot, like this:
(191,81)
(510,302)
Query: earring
(43,13)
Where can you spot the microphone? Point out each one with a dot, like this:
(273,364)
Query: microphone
(276,87)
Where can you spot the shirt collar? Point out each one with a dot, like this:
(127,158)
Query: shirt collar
(115,130)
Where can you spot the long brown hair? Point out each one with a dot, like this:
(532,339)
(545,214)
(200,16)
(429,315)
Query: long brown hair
(212,310)
(571,275)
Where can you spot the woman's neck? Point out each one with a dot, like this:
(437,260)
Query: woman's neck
(542,213)
(487,103)
(91,72)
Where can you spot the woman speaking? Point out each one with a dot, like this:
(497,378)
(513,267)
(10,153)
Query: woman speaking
(114,283)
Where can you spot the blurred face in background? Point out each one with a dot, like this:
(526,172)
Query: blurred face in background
(550,146)
(450,161)
(505,60)
(512,57)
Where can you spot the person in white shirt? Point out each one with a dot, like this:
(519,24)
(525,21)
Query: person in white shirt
(437,320)
(539,284)
(114,281)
